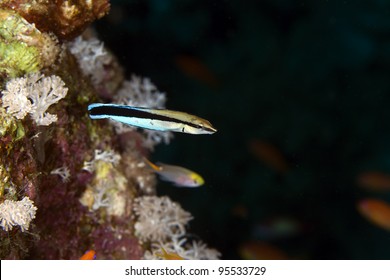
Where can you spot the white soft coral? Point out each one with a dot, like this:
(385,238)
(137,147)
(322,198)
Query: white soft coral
(91,56)
(44,93)
(195,250)
(15,98)
(17,213)
(108,156)
(162,222)
(140,92)
(33,94)
(63,172)
(159,218)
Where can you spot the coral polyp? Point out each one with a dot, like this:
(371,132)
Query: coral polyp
(23,47)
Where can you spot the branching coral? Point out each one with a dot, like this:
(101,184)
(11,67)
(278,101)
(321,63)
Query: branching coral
(105,156)
(63,172)
(101,199)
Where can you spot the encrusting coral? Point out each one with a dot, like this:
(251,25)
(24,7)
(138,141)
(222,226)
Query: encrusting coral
(71,182)
(23,47)
(66,19)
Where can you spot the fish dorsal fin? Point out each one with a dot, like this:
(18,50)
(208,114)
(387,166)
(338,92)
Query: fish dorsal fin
(152,165)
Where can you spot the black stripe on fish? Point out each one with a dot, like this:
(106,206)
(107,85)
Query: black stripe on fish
(134,113)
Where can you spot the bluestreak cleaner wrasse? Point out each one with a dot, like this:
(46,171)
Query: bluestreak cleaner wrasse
(179,176)
(154,119)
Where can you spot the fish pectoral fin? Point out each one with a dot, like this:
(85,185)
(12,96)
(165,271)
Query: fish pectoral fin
(164,178)
(178,185)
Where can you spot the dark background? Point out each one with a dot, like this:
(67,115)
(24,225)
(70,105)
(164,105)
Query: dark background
(309,77)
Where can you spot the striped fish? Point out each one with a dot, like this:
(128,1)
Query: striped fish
(154,119)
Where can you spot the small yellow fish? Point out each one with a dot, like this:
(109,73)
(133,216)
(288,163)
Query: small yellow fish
(168,256)
(177,175)
(89,255)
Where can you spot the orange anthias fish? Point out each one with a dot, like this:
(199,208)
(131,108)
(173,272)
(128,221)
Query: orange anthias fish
(195,69)
(269,154)
(89,255)
(376,211)
(168,256)
(259,250)
(373,180)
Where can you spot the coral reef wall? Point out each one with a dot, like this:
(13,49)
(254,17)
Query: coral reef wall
(43,154)
(67,183)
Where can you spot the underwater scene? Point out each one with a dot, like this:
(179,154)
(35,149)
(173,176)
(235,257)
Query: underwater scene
(194,129)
